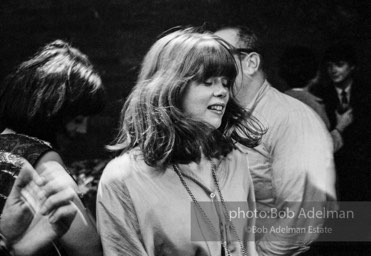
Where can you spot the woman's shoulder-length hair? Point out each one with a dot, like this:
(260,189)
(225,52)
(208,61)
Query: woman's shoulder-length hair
(57,84)
(152,117)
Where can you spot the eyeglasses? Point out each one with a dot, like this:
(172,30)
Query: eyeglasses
(245,50)
(241,51)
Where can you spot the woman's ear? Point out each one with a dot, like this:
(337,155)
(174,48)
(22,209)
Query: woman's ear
(251,63)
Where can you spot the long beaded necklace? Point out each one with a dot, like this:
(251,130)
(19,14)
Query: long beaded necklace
(197,204)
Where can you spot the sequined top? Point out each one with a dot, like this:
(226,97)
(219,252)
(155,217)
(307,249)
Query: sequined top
(30,148)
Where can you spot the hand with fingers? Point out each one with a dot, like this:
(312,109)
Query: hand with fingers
(83,224)
(344,120)
(38,210)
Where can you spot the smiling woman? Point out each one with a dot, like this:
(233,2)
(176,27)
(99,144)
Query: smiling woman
(177,142)
(152,117)
(206,101)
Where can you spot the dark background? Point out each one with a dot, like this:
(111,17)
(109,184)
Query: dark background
(116,34)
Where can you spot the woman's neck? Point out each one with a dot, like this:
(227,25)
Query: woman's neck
(200,170)
(203,165)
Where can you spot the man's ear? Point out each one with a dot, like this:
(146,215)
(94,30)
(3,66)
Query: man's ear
(251,63)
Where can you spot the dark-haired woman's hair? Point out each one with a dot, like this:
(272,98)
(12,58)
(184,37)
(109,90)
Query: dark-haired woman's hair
(152,118)
(57,84)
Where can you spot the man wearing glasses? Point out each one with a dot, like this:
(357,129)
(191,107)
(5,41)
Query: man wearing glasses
(293,165)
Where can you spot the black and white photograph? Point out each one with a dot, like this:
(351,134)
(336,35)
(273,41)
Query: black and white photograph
(185,128)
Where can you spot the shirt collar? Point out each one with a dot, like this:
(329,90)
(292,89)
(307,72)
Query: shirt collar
(347,89)
(258,95)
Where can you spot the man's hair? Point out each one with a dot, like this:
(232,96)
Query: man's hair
(341,51)
(249,40)
(152,117)
(297,66)
(57,84)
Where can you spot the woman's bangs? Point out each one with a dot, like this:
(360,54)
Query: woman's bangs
(217,61)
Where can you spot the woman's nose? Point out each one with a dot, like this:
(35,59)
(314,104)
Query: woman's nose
(220,89)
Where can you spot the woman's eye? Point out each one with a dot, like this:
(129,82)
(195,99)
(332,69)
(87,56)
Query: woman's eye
(208,82)
(225,82)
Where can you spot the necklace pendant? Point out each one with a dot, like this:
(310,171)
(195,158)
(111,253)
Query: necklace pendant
(212,195)
(225,250)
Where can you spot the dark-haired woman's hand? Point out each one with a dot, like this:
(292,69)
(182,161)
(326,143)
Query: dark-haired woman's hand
(34,214)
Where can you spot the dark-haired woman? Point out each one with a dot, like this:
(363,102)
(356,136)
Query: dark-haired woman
(45,94)
(177,149)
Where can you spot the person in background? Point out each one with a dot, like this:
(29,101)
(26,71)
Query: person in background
(293,166)
(44,95)
(21,231)
(177,149)
(299,68)
(345,91)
